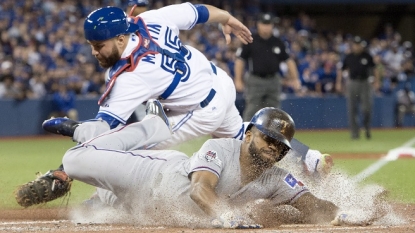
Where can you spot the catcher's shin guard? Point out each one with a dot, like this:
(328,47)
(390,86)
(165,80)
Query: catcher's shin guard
(45,188)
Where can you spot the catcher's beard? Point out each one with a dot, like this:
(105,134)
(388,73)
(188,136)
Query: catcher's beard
(258,160)
(107,62)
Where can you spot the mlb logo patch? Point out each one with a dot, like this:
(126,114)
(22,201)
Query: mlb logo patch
(210,155)
(291,181)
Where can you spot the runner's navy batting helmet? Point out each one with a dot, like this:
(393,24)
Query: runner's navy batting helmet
(274,123)
(106,23)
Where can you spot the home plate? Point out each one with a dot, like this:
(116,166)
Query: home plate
(400,152)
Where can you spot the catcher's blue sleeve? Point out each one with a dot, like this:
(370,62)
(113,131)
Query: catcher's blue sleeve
(203,13)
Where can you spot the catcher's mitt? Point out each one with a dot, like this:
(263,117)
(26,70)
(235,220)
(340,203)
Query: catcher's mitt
(45,188)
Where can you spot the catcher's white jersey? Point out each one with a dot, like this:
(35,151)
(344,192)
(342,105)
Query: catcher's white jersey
(154,73)
(160,180)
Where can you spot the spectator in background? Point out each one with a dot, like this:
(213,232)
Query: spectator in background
(326,79)
(94,86)
(20,89)
(379,71)
(6,69)
(94,83)
(388,32)
(6,87)
(136,7)
(303,22)
(405,103)
(310,77)
(359,65)
(407,70)
(263,56)
(12,89)
(64,102)
(37,87)
(393,60)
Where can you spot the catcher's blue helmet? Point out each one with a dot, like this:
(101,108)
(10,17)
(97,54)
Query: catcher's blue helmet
(274,123)
(138,2)
(106,23)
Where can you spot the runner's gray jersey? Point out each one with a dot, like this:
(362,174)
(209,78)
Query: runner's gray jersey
(221,156)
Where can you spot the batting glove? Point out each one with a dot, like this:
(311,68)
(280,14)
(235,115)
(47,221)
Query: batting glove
(316,162)
(358,218)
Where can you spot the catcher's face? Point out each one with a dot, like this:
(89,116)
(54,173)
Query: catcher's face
(107,52)
(265,151)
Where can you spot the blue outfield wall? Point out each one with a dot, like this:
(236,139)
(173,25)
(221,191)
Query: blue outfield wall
(20,118)
(331,112)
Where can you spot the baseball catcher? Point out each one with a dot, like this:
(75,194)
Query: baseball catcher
(45,188)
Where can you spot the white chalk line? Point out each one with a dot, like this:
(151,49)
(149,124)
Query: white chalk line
(328,228)
(391,156)
(409,143)
(33,222)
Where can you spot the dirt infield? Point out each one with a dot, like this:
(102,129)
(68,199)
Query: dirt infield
(42,219)
(57,220)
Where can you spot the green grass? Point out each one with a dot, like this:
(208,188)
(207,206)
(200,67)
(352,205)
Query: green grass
(396,176)
(340,142)
(192,146)
(352,166)
(21,158)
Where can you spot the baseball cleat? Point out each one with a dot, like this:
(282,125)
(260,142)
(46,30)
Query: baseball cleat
(60,125)
(94,203)
(154,107)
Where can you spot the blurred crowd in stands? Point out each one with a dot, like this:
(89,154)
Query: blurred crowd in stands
(43,51)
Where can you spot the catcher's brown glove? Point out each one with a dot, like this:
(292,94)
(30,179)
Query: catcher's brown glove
(45,188)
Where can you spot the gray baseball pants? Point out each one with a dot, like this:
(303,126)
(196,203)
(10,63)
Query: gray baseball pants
(359,92)
(261,92)
(98,162)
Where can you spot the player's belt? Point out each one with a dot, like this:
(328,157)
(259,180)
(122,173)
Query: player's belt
(212,92)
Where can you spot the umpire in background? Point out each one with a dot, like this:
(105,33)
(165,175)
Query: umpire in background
(359,65)
(262,85)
